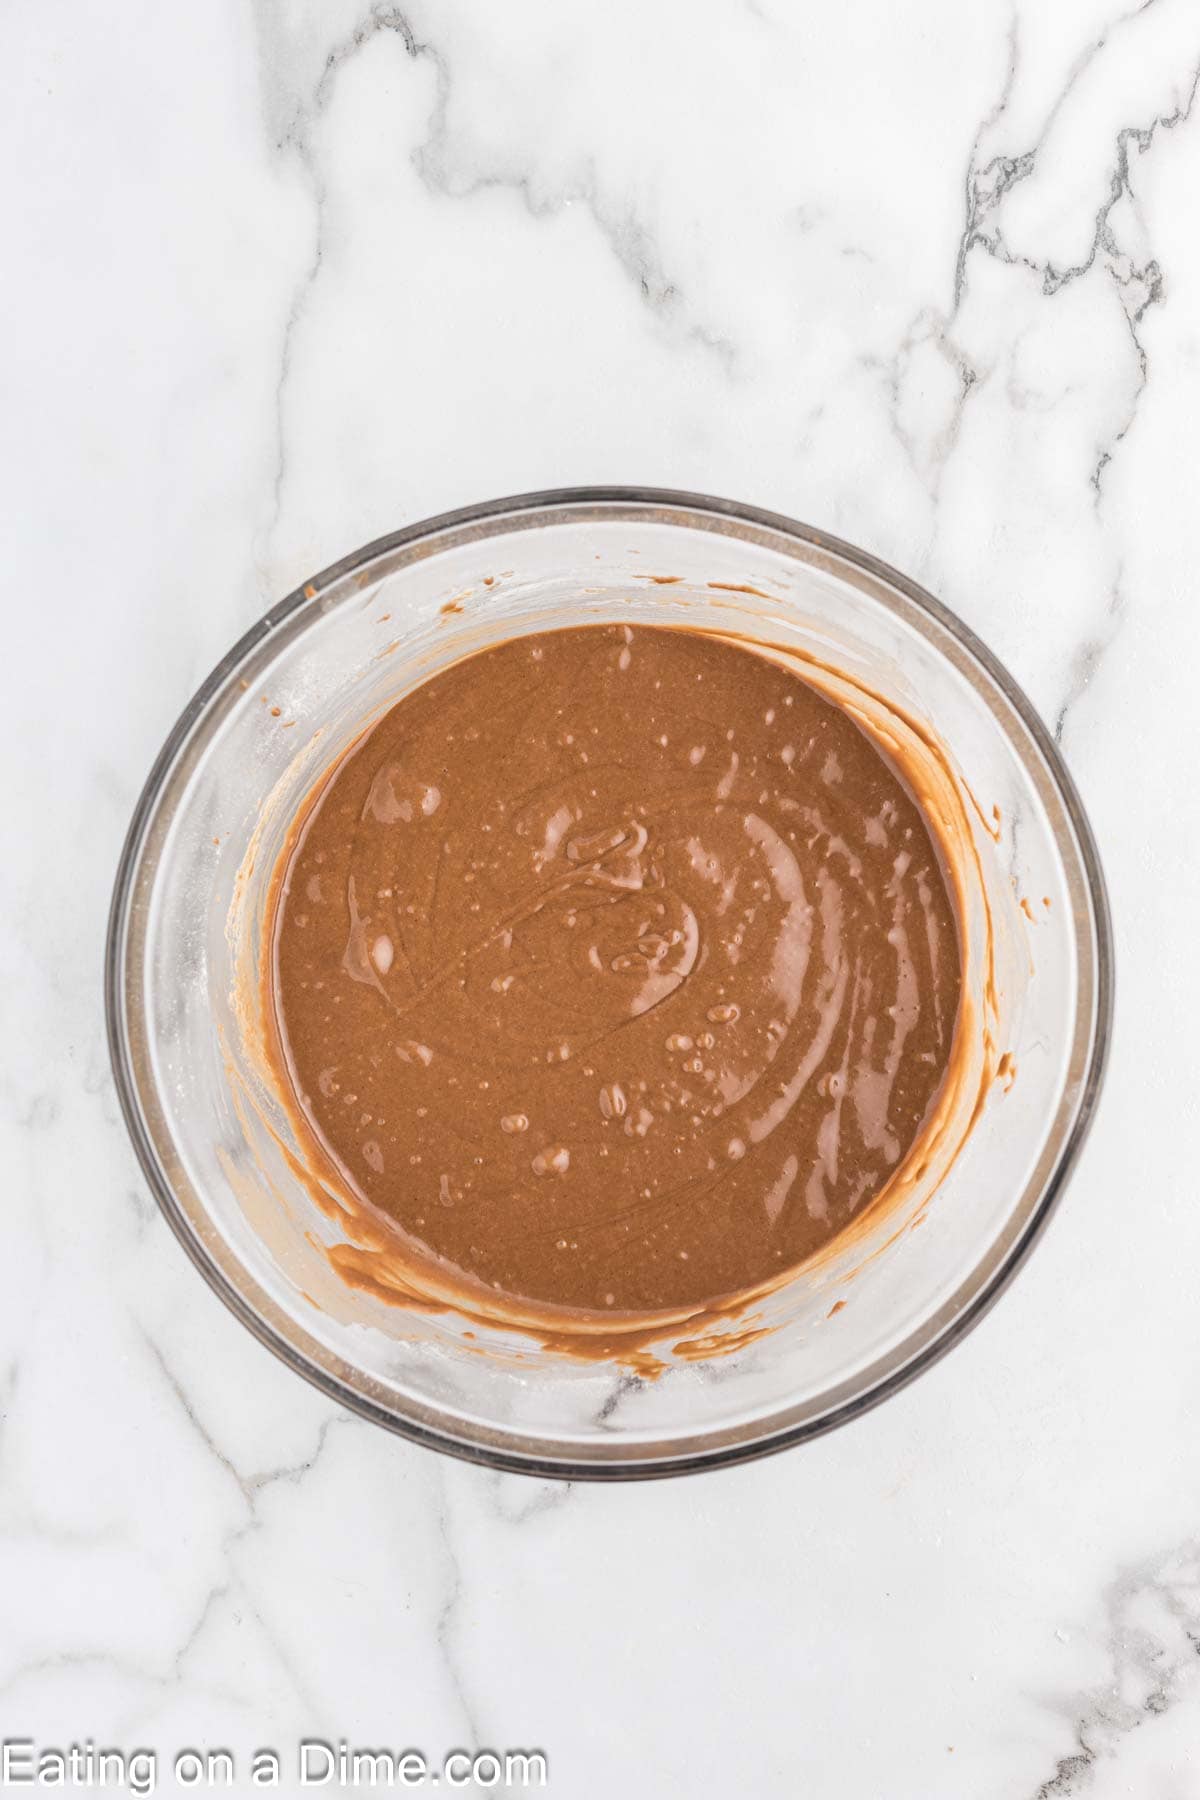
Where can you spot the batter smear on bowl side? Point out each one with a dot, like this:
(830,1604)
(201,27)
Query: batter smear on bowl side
(617,968)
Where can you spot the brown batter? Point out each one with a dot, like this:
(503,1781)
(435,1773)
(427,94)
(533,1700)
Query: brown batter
(617,967)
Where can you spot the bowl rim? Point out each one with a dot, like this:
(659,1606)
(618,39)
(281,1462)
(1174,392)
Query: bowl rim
(470,1444)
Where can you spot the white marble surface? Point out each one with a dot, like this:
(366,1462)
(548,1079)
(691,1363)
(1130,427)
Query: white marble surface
(284,274)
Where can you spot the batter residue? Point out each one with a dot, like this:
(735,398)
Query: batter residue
(617,967)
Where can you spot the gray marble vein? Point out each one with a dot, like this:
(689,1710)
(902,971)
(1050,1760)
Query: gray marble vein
(1088,656)
(981,194)
(519,1499)
(1151,1638)
(452,1620)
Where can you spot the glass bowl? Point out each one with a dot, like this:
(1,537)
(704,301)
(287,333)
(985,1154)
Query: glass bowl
(185,933)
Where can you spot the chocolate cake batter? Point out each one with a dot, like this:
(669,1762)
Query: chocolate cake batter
(617,967)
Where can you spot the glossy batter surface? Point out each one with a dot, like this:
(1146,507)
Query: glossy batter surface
(617,966)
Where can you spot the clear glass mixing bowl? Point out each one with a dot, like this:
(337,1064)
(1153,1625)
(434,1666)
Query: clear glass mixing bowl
(183,943)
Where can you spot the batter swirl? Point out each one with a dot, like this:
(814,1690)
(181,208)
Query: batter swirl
(616,966)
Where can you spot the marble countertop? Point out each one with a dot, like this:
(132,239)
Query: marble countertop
(285,274)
